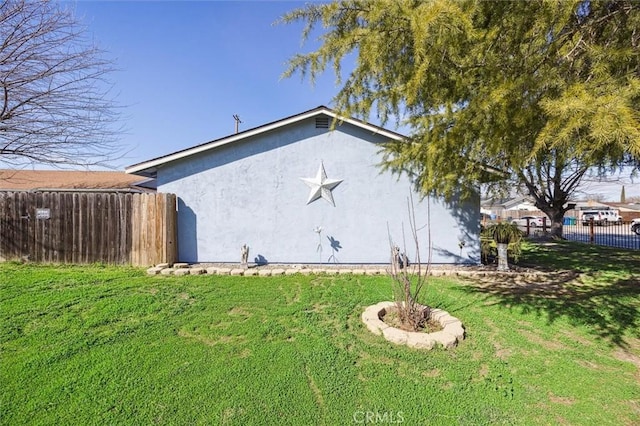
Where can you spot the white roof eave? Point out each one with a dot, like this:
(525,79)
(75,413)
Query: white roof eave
(152,165)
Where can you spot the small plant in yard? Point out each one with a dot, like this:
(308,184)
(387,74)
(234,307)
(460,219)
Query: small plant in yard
(507,237)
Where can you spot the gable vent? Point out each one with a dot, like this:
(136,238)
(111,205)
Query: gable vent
(322,122)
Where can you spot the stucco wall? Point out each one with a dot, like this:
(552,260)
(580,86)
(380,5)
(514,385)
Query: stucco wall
(251,192)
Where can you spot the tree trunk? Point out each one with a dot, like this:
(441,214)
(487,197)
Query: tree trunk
(557,222)
(555,214)
(551,183)
(503,262)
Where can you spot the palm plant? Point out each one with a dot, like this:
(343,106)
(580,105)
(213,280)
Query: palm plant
(507,237)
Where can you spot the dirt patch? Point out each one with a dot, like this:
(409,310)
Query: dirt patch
(319,307)
(211,341)
(393,319)
(501,353)
(564,400)
(229,413)
(575,337)
(431,373)
(625,355)
(314,388)
(492,326)
(588,364)
(635,405)
(562,421)
(246,353)
(365,358)
(239,311)
(632,351)
(484,370)
(292,297)
(547,344)
(447,386)
(186,297)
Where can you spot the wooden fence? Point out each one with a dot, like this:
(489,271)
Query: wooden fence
(87,227)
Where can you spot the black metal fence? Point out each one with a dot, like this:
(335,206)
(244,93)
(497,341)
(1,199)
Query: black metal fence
(619,234)
(613,234)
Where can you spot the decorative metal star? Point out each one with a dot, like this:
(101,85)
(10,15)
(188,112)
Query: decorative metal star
(321,187)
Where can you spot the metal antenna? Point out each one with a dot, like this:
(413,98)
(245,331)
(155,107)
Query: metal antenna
(238,121)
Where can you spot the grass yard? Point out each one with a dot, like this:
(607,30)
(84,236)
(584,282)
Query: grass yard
(106,345)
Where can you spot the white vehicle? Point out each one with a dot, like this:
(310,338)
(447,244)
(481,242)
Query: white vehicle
(601,217)
(635,226)
(533,221)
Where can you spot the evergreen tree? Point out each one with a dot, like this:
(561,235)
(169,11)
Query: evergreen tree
(542,91)
(623,197)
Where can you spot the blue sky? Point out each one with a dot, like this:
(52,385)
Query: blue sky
(186,67)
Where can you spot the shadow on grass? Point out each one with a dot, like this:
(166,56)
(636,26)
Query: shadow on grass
(593,286)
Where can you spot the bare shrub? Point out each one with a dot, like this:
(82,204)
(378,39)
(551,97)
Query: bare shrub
(409,280)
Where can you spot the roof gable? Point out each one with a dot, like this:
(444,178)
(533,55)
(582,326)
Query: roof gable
(149,167)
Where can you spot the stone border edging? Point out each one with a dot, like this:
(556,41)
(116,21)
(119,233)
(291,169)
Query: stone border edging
(179,269)
(452,330)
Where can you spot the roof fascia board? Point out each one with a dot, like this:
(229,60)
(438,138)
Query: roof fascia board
(364,125)
(256,131)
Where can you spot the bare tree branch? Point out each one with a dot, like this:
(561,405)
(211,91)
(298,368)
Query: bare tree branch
(55,104)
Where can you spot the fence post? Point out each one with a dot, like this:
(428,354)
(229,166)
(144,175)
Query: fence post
(592,231)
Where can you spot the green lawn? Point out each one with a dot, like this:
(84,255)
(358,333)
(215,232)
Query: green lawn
(105,345)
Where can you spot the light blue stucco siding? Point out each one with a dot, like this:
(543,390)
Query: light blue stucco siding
(251,192)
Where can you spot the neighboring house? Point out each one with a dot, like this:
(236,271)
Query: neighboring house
(72,180)
(510,208)
(521,204)
(298,190)
(515,208)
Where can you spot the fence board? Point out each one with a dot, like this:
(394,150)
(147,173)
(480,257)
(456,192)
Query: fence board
(126,245)
(63,229)
(136,229)
(76,218)
(85,227)
(20,222)
(171,244)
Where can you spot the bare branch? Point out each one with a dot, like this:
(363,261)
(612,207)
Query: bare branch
(55,96)
(408,281)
